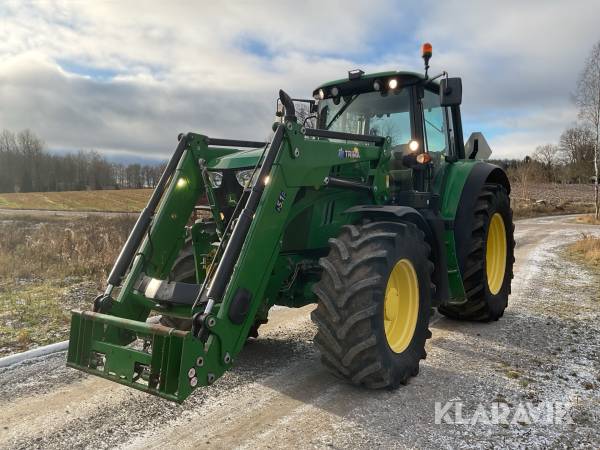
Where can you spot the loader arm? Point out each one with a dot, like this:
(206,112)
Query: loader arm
(116,342)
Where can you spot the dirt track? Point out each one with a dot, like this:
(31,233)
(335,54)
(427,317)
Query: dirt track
(545,348)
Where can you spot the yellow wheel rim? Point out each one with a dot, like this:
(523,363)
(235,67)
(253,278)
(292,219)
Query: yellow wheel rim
(401,305)
(495,256)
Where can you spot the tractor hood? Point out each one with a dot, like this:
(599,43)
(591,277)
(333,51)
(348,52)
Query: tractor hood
(237,160)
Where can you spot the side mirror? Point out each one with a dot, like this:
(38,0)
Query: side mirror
(450,92)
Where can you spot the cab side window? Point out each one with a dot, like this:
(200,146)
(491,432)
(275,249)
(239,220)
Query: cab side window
(434,123)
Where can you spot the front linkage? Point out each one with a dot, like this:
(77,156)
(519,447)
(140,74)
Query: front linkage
(118,342)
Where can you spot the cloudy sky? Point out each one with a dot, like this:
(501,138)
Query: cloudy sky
(125,77)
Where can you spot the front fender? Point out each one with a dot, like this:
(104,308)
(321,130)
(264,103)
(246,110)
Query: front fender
(428,221)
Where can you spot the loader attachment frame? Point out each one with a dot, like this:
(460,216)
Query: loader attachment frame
(159,372)
(116,341)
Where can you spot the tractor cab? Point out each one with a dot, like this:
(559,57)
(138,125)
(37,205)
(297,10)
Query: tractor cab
(406,107)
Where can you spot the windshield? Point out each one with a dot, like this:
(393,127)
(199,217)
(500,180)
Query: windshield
(369,113)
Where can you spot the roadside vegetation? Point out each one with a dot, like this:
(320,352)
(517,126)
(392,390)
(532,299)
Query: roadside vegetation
(588,220)
(50,268)
(587,250)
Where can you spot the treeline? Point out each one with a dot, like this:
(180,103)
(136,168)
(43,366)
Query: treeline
(571,160)
(25,166)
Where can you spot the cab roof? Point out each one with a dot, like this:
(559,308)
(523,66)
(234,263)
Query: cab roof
(364,82)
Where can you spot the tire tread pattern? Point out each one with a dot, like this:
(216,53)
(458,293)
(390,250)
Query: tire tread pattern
(354,276)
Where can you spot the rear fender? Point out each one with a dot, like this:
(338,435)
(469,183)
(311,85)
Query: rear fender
(481,174)
(459,189)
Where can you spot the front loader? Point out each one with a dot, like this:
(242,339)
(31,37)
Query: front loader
(370,206)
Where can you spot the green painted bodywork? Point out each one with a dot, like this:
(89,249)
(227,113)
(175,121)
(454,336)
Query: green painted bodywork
(236,160)
(278,263)
(449,183)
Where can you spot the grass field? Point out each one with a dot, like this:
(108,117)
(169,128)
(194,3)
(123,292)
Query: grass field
(48,268)
(534,200)
(122,200)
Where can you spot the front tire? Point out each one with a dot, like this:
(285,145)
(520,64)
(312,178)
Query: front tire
(374,303)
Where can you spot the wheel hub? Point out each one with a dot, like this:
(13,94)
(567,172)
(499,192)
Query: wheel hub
(495,256)
(401,305)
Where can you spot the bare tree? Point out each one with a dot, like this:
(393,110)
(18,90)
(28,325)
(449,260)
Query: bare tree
(523,173)
(577,145)
(9,161)
(587,97)
(547,155)
(577,151)
(31,151)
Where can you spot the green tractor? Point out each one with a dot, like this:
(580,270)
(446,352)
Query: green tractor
(370,205)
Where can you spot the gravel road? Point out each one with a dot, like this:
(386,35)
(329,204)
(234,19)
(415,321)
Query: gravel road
(546,349)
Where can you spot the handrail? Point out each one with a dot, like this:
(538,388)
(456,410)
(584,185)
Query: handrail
(316,132)
(234,143)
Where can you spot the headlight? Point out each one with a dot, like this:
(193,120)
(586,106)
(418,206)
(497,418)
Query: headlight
(215,178)
(182,183)
(413,146)
(244,177)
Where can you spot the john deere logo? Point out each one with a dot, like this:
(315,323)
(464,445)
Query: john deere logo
(351,154)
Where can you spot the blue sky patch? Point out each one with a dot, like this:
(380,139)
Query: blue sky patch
(89,71)
(254,47)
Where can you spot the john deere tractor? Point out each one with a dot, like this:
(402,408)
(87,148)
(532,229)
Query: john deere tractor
(368,204)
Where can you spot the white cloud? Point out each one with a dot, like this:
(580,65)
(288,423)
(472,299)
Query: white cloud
(215,67)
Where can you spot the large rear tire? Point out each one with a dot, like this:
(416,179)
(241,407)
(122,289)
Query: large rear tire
(374,303)
(489,266)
